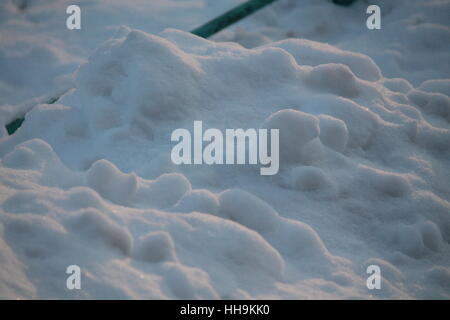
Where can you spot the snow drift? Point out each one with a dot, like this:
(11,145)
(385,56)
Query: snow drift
(363,178)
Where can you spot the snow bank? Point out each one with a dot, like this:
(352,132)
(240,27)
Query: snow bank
(364,178)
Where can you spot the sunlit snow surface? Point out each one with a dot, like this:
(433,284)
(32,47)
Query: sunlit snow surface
(364,144)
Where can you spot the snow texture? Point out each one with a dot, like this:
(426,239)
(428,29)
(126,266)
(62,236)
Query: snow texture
(364,147)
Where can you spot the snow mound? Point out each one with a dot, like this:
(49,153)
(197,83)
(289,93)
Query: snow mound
(155,247)
(307,178)
(94,224)
(128,189)
(38,156)
(313,53)
(364,177)
(110,183)
(296,130)
(248,210)
(200,200)
(333,78)
(333,132)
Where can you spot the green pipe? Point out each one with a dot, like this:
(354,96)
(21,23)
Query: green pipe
(230,17)
(344,2)
(14,125)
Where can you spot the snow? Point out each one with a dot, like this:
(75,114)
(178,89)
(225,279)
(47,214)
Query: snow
(296,129)
(410,31)
(333,132)
(155,247)
(364,149)
(308,178)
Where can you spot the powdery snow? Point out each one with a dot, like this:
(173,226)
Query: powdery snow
(364,172)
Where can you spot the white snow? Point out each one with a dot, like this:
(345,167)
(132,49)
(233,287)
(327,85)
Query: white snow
(296,130)
(333,132)
(364,148)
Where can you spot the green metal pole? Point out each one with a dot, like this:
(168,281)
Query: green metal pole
(14,125)
(344,2)
(230,17)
